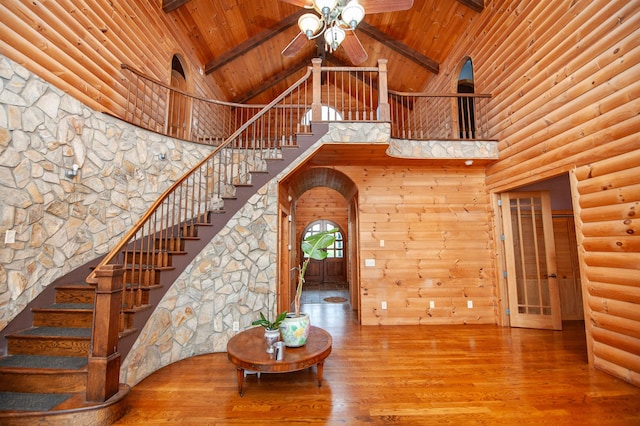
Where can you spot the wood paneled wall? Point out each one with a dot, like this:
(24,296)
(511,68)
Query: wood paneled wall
(78,46)
(566,93)
(428,230)
(321,203)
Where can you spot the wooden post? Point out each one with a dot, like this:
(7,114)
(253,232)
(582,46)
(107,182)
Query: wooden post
(103,378)
(316,105)
(383,92)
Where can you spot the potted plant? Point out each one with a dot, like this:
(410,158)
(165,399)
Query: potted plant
(271,329)
(295,329)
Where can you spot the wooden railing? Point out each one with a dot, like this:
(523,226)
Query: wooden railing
(423,116)
(350,93)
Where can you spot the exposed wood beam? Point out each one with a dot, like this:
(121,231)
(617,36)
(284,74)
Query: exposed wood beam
(269,83)
(253,42)
(477,5)
(399,47)
(171,5)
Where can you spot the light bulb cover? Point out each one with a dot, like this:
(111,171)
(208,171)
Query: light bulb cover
(334,36)
(309,23)
(352,14)
(325,6)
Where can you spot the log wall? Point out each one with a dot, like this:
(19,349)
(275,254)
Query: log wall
(78,46)
(428,229)
(607,202)
(565,93)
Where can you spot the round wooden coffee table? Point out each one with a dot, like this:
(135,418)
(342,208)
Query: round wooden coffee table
(248,351)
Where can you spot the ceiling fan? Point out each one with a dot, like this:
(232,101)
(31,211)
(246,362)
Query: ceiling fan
(336,21)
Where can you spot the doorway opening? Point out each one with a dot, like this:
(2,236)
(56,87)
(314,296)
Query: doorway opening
(326,280)
(528,217)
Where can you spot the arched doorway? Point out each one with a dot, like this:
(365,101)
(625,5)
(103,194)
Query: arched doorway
(309,195)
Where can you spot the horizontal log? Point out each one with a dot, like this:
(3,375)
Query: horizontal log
(629,277)
(625,194)
(620,341)
(612,228)
(617,356)
(609,166)
(610,212)
(619,325)
(620,179)
(625,293)
(617,308)
(627,243)
(617,371)
(630,261)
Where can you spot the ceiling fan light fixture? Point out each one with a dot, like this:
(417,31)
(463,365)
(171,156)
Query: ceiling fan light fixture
(353,14)
(309,24)
(334,36)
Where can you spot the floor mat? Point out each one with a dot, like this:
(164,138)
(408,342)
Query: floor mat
(335,299)
(19,401)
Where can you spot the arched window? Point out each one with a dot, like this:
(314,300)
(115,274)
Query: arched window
(328,114)
(178,104)
(466,106)
(334,251)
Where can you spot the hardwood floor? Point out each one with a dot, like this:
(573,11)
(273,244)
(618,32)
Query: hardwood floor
(406,375)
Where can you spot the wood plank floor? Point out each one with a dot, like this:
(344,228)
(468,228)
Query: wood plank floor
(406,375)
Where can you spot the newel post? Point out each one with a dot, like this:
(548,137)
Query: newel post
(103,378)
(384,113)
(316,105)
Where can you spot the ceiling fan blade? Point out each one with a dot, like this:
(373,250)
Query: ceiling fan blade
(381,6)
(307,4)
(295,45)
(353,48)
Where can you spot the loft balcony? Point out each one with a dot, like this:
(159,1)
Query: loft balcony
(350,99)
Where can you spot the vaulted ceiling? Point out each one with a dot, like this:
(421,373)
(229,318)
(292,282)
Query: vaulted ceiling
(239,42)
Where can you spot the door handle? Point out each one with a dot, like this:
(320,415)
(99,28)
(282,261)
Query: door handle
(553,276)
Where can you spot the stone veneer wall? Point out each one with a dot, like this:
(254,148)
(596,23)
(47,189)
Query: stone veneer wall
(231,280)
(62,223)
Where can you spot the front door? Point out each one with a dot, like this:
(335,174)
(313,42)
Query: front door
(532,284)
(331,269)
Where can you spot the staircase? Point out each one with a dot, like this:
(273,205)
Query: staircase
(43,377)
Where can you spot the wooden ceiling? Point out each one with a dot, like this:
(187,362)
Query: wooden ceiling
(239,42)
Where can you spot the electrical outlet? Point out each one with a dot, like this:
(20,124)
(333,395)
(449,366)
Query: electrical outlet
(432,304)
(236,326)
(381,243)
(384,304)
(369,262)
(469,304)
(10,236)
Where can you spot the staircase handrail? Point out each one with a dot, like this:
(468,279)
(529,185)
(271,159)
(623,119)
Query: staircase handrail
(142,221)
